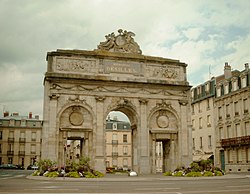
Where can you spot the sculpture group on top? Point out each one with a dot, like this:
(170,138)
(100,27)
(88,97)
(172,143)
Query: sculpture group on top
(124,42)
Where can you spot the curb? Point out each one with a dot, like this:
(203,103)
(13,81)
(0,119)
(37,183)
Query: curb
(137,178)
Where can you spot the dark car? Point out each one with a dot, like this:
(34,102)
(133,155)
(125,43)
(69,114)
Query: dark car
(8,166)
(32,167)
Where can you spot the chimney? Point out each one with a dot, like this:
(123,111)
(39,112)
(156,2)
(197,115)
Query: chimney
(246,66)
(15,114)
(30,115)
(6,114)
(227,71)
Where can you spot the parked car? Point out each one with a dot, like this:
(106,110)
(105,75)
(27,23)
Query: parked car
(32,167)
(20,167)
(8,166)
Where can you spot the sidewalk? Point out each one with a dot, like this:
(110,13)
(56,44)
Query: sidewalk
(125,177)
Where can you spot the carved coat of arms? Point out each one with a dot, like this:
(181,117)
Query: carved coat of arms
(124,42)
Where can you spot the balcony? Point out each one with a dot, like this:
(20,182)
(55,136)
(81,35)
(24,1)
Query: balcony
(115,142)
(10,153)
(236,141)
(11,140)
(115,154)
(21,153)
(22,140)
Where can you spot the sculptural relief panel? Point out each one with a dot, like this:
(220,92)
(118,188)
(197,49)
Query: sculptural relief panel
(79,65)
(163,71)
(163,120)
(76,117)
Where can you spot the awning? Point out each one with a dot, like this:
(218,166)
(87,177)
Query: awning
(202,157)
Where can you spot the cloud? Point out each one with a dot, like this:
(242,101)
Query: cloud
(199,33)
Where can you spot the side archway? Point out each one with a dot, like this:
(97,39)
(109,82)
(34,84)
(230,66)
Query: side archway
(163,127)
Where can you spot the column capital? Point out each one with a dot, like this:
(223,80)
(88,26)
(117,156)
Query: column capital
(54,96)
(143,101)
(183,102)
(100,98)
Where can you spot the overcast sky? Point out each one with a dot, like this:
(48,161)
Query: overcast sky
(199,33)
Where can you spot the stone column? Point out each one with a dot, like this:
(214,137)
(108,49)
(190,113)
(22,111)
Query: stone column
(99,136)
(143,134)
(153,154)
(50,139)
(184,135)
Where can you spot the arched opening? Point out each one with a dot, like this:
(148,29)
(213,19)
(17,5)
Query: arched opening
(75,134)
(118,134)
(163,126)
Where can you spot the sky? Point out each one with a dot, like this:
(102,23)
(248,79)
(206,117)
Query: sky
(203,34)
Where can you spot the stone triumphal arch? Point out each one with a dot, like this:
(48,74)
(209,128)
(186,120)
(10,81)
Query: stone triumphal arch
(82,87)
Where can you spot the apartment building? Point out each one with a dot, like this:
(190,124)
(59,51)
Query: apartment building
(20,139)
(118,144)
(232,120)
(221,120)
(203,134)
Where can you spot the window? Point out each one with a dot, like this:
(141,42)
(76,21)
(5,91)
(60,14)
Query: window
(220,113)
(200,122)
(208,104)
(10,160)
(201,142)
(0,148)
(192,109)
(208,120)
(236,108)
(114,126)
(33,136)
(237,130)
(1,135)
(125,162)
(125,150)
(209,141)
(193,124)
(227,110)
(245,105)
(229,132)
(221,136)
(33,149)
(125,138)
(114,162)
(193,144)
(239,155)
(247,128)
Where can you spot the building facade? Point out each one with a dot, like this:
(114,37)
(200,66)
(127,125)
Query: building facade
(203,133)
(221,120)
(20,139)
(118,144)
(232,120)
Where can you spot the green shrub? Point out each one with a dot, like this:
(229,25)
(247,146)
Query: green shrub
(89,175)
(179,173)
(52,174)
(36,173)
(208,173)
(73,174)
(217,173)
(194,174)
(167,174)
(195,167)
(46,164)
(99,174)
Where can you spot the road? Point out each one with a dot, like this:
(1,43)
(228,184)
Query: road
(15,181)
